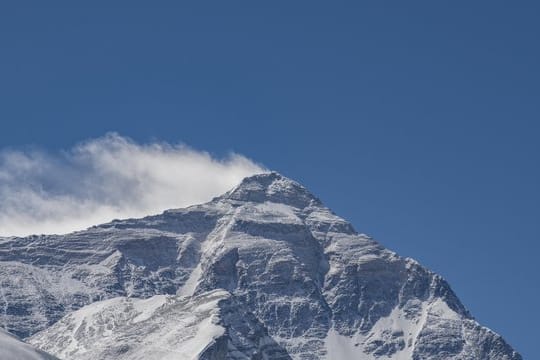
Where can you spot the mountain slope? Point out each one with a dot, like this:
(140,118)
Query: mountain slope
(312,283)
(11,348)
(207,326)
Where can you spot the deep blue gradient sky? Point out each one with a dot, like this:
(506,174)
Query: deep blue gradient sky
(418,122)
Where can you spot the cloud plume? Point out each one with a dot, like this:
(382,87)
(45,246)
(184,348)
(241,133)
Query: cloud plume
(107,178)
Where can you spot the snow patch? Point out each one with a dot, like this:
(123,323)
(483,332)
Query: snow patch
(399,330)
(340,347)
(11,348)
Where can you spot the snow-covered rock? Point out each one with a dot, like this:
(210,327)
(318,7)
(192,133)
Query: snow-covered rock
(303,282)
(207,326)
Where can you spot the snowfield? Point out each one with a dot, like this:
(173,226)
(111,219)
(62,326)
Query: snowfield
(160,327)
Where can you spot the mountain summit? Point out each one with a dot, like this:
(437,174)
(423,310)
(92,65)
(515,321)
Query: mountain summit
(265,271)
(272,187)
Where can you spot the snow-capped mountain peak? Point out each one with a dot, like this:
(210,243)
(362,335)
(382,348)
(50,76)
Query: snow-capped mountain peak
(272,187)
(281,275)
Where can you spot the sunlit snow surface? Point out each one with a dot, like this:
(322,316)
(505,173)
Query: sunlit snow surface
(161,327)
(396,326)
(265,271)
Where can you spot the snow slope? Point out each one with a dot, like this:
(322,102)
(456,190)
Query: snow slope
(158,328)
(11,348)
(309,285)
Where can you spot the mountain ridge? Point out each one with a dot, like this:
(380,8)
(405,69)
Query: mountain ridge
(306,275)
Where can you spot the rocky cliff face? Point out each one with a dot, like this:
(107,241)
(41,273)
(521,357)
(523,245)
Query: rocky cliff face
(288,279)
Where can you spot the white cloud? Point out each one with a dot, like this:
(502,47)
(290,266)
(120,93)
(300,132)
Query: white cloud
(107,178)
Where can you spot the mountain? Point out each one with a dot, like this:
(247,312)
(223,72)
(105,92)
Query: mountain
(265,271)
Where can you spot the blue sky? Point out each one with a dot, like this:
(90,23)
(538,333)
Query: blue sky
(418,122)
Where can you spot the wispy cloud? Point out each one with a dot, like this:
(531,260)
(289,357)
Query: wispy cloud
(107,178)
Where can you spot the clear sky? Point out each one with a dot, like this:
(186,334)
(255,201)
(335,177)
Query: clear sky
(417,121)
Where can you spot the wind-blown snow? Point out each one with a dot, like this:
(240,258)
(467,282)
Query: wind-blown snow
(107,178)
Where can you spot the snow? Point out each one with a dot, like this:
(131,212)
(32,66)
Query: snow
(207,331)
(188,289)
(11,348)
(269,212)
(440,309)
(340,347)
(147,307)
(159,328)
